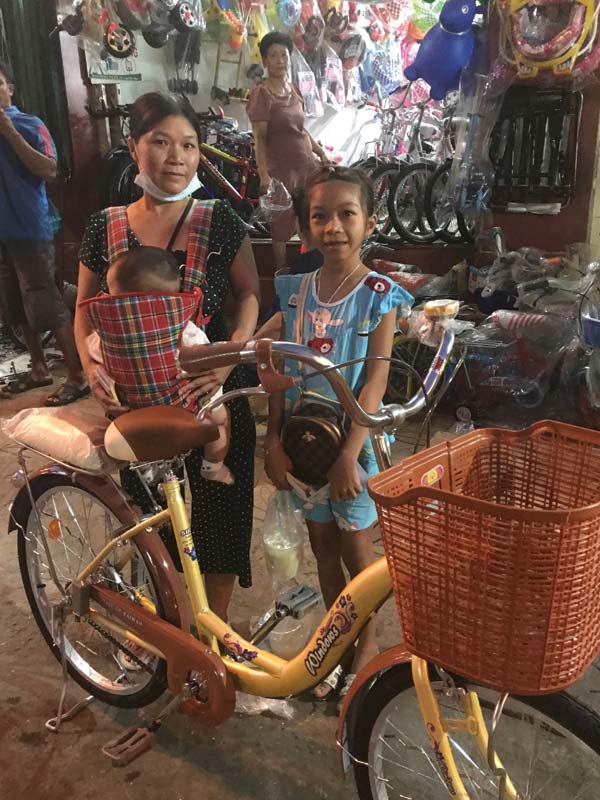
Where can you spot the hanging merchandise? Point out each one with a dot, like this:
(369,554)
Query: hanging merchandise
(304,80)
(353,51)
(386,67)
(224,24)
(134,14)
(542,38)
(446,49)
(288,12)
(329,75)
(309,32)
(425,15)
(257,26)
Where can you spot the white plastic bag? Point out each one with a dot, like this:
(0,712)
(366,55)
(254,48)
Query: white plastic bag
(283,538)
(66,434)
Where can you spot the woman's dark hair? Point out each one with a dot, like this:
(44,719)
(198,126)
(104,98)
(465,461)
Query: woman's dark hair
(151,108)
(7,72)
(351,175)
(275,37)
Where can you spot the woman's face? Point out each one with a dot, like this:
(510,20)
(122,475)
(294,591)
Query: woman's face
(6,91)
(168,154)
(277,61)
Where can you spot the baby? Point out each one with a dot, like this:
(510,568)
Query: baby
(150,276)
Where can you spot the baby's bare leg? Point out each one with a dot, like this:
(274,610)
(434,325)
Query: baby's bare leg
(215,452)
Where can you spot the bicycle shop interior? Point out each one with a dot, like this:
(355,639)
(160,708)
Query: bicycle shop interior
(478,128)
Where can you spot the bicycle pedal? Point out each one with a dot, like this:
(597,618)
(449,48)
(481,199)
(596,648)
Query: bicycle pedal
(297,601)
(128,745)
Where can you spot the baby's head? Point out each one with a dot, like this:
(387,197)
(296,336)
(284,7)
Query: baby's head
(143,269)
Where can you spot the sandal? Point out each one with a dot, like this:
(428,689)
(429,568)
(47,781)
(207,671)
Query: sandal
(26,383)
(322,690)
(348,681)
(65,394)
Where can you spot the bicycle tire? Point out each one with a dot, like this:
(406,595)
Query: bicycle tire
(83,663)
(455,228)
(559,716)
(381,177)
(120,189)
(406,203)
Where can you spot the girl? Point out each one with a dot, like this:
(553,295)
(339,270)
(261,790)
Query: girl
(349,312)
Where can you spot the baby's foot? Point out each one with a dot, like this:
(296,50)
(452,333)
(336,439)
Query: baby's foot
(216,471)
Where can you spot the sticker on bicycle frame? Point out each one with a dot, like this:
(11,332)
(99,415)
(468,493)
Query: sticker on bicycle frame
(339,622)
(235,647)
(441,761)
(434,475)
(191,552)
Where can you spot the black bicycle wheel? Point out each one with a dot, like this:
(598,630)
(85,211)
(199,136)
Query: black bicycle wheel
(382,178)
(549,745)
(119,186)
(406,203)
(77,525)
(449,225)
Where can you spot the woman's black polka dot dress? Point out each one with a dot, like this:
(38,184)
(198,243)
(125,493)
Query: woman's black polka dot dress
(221,514)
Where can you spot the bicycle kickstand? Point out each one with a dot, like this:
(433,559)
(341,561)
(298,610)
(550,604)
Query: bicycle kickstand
(133,742)
(54,723)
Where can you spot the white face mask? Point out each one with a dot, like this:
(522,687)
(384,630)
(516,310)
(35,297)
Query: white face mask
(145,182)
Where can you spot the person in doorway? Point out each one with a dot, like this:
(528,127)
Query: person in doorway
(348,312)
(214,253)
(285,150)
(29,292)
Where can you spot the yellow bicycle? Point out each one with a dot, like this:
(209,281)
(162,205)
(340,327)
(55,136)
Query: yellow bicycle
(110,604)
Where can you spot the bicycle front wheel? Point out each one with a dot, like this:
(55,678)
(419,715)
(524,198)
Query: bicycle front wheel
(549,746)
(406,203)
(77,525)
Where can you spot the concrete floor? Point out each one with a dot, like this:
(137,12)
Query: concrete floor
(248,757)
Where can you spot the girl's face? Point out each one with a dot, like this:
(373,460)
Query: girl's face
(168,154)
(338,220)
(277,61)
(6,91)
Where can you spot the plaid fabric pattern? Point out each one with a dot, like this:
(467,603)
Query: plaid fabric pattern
(140,336)
(117,231)
(117,234)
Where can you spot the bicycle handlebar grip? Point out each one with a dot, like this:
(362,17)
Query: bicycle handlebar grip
(439,310)
(201,357)
(537,283)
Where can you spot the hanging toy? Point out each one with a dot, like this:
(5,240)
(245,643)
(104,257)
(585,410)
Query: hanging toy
(446,49)
(532,40)
(288,12)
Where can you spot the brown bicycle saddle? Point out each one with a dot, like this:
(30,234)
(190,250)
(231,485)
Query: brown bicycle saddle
(156,433)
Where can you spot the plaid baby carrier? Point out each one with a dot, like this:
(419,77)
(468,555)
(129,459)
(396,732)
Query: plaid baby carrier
(140,336)
(117,236)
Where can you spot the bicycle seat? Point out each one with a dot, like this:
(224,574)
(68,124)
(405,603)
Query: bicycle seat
(156,433)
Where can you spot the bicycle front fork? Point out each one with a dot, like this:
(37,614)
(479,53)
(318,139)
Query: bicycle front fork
(472,723)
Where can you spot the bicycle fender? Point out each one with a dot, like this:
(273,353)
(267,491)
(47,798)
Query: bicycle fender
(154,552)
(357,694)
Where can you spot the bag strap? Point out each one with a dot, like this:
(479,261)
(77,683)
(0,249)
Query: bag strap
(117,231)
(180,222)
(302,295)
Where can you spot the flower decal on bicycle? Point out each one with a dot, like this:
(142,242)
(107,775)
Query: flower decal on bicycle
(235,647)
(191,552)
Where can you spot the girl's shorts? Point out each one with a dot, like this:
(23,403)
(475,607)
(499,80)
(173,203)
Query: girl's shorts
(349,515)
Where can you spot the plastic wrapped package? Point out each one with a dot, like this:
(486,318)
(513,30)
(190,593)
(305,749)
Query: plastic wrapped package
(329,74)
(275,200)
(283,538)
(305,82)
(65,434)
(309,31)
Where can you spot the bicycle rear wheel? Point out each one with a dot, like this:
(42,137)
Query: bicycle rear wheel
(406,204)
(449,225)
(382,178)
(549,746)
(77,525)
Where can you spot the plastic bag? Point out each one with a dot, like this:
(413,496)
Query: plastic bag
(66,434)
(275,200)
(252,706)
(306,84)
(283,538)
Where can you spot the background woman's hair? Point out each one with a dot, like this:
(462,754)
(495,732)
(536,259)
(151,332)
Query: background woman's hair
(151,108)
(275,37)
(351,175)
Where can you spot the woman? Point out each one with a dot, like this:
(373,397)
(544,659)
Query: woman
(284,148)
(215,252)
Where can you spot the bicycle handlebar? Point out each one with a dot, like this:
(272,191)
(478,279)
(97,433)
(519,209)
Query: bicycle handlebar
(200,358)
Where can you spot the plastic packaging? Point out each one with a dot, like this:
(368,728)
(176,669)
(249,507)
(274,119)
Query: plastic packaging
(305,82)
(250,705)
(283,538)
(290,636)
(65,434)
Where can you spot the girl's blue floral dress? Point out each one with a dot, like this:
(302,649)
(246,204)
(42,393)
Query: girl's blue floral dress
(340,332)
